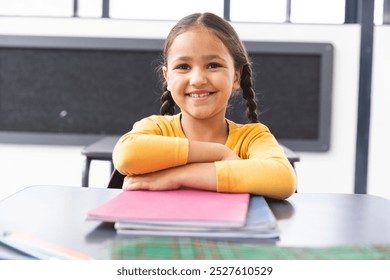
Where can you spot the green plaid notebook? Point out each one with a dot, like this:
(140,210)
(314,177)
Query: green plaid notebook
(167,248)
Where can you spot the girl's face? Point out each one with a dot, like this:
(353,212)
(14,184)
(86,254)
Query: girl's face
(200,74)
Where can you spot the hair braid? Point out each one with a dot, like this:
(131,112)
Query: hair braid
(167,102)
(248,93)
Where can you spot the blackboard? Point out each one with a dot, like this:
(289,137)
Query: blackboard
(68,90)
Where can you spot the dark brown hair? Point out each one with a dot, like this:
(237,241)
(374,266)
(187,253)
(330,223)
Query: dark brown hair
(225,32)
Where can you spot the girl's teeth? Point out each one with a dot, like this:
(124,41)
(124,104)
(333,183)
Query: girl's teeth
(199,95)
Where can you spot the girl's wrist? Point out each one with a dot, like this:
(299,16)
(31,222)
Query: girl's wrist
(205,152)
(196,175)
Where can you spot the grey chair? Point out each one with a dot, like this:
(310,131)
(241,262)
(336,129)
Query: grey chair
(99,150)
(116,180)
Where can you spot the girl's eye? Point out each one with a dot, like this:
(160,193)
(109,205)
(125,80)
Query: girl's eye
(214,65)
(183,67)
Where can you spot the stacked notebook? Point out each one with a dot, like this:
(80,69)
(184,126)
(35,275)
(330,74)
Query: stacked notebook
(191,213)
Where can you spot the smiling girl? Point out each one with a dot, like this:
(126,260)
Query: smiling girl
(205,62)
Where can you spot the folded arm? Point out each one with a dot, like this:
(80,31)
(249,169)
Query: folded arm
(194,175)
(270,178)
(137,154)
(155,162)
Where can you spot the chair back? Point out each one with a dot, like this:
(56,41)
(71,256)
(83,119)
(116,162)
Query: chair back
(116,180)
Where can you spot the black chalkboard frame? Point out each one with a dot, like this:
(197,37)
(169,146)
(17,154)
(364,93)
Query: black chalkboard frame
(322,51)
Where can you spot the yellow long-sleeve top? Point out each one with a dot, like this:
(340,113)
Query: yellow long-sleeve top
(158,142)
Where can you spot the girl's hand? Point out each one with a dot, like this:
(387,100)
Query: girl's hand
(156,181)
(196,175)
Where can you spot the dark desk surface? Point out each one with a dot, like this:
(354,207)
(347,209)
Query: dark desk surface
(57,214)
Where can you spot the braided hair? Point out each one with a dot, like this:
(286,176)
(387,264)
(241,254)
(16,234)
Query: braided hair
(167,102)
(225,32)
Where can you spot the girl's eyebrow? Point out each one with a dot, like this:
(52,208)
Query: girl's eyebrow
(213,56)
(205,57)
(182,58)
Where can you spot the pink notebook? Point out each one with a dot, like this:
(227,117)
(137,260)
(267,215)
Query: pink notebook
(177,207)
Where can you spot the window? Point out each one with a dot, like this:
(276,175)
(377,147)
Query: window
(163,10)
(90,8)
(269,11)
(378,12)
(317,11)
(57,8)
(258,10)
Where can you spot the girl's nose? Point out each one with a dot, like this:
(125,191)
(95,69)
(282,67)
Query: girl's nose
(198,77)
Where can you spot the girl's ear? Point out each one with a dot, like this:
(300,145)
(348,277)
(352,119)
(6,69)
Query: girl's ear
(237,79)
(165,74)
(164,70)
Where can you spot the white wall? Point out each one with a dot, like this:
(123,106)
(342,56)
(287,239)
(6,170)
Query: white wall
(25,165)
(331,171)
(379,167)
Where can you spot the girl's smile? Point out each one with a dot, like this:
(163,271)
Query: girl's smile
(200,95)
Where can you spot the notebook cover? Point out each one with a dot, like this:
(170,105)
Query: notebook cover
(218,234)
(260,216)
(175,207)
(260,223)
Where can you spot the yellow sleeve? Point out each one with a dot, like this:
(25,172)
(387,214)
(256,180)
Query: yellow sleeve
(149,147)
(263,170)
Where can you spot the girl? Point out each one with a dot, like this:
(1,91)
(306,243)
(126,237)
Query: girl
(205,62)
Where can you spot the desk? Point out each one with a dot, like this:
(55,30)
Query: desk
(57,214)
(102,150)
